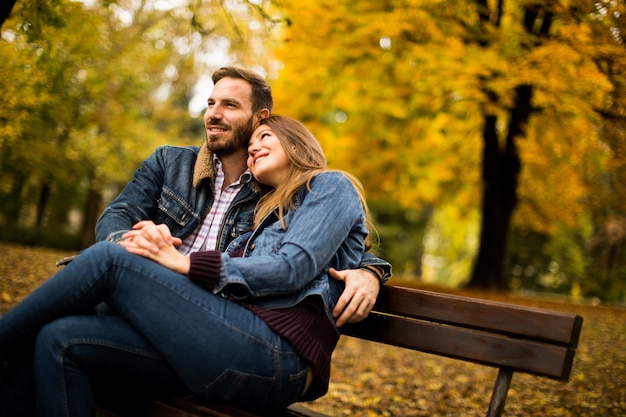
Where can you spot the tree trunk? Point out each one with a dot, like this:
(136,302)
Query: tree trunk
(12,206)
(501,168)
(5,10)
(42,204)
(92,208)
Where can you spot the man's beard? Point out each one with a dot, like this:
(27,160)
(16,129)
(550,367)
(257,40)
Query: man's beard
(239,140)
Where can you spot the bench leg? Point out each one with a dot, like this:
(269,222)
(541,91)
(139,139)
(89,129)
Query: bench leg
(500,391)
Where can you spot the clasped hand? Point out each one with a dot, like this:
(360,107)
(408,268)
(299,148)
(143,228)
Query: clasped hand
(155,241)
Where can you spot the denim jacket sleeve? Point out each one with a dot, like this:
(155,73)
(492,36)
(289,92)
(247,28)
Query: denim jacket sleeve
(141,197)
(369,259)
(326,229)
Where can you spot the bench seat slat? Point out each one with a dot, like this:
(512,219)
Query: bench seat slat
(481,314)
(196,407)
(182,407)
(538,358)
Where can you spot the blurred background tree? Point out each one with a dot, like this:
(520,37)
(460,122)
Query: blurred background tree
(91,89)
(489,135)
(474,111)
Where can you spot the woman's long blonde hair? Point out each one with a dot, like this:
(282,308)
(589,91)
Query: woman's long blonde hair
(306,159)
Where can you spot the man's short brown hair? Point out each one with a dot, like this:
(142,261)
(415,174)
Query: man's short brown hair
(261,90)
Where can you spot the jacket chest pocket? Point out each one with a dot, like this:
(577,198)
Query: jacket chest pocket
(237,227)
(173,209)
(239,222)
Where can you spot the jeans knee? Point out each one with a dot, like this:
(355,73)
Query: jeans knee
(55,355)
(54,338)
(62,388)
(104,250)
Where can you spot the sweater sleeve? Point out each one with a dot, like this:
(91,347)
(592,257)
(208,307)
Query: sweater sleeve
(205,268)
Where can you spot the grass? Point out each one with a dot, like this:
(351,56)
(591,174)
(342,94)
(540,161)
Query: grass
(370,379)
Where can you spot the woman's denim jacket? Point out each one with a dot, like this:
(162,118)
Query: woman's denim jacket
(282,266)
(174,186)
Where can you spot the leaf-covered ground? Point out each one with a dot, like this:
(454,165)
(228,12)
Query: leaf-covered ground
(370,379)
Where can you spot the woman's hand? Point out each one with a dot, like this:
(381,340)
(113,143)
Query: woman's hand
(156,242)
(150,236)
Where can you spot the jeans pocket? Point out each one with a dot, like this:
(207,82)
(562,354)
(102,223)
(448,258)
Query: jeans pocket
(301,375)
(243,388)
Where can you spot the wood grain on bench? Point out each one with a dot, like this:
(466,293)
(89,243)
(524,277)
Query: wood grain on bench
(489,333)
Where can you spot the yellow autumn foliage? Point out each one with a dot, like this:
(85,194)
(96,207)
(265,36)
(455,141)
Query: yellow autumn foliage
(397,92)
(408,92)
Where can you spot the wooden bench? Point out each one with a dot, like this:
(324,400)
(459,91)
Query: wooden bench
(509,337)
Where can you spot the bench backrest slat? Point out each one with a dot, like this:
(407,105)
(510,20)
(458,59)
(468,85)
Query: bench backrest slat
(544,359)
(524,339)
(507,319)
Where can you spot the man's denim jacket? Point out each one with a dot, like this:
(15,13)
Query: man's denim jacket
(174,187)
(165,190)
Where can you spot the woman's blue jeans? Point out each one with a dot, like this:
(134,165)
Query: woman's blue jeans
(167,334)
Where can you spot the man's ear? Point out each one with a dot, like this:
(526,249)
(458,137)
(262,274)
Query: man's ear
(261,114)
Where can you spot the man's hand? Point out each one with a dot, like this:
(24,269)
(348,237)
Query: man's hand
(156,242)
(150,237)
(358,297)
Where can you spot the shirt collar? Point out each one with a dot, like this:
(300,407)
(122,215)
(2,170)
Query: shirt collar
(244,178)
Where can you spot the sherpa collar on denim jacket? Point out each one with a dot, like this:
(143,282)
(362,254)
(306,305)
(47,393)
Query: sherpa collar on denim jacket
(203,168)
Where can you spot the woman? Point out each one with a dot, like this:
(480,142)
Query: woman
(259,332)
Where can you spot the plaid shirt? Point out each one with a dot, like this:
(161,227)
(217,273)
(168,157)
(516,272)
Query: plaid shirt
(205,236)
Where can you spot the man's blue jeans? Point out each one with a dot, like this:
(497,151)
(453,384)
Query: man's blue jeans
(165,330)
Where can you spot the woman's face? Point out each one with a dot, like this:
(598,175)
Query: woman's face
(267,158)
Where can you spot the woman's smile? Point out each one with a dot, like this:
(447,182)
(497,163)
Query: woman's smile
(259,156)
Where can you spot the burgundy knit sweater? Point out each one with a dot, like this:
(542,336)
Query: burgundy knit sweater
(305,325)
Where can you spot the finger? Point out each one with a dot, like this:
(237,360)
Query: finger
(131,234)
(152,234)
(337,275)
(140,241)
(351,305)
(363,310)
(166,234)
(358,308)
(134,249)
(348,313)
(143,223)
(158,234)
(343,302)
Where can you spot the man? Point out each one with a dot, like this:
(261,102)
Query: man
(206,196)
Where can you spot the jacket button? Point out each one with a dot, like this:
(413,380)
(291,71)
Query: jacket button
(251,247)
